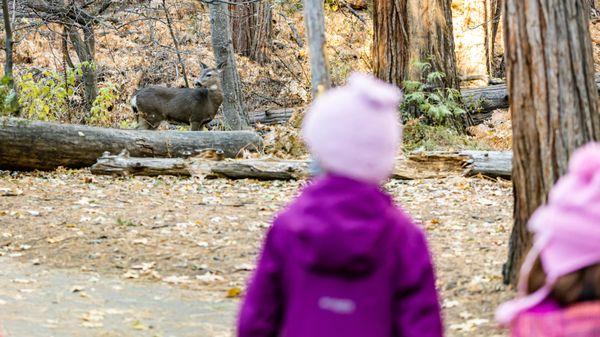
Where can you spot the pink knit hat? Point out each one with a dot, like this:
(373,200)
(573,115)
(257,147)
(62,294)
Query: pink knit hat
(354,130)
(567,231)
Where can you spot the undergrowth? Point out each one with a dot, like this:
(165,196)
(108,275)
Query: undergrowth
(430,101)
(8,97)
(420,136)
(50,95)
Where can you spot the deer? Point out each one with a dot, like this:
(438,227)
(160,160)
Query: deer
(195,106)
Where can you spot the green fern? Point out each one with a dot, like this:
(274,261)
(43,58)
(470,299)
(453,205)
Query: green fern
(435,76)
(421,65)
(437,107)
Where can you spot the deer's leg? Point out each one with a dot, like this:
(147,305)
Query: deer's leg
(196,126)
(142,124)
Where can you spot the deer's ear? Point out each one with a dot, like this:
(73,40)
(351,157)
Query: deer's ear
(222,65)
(204,66)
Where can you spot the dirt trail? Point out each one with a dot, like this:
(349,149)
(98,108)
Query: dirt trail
(195,241)
(36,301)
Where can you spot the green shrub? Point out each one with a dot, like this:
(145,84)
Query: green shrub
(429,101)
(8,97)
(56,96)
(418,135)
(45,97)
(103,105)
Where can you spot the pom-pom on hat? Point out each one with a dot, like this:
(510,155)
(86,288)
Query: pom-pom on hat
(354,130)
(566,231)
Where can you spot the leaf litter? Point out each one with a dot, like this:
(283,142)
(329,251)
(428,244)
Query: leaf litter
(205,235)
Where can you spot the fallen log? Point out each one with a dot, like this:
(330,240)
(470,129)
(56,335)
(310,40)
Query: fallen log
(487,99)
(252,169)
(124,165)
(481,102)
(265,117)
(271,117)
(487,163)
(273,169)
(33,145)
(259,169)
(420,165)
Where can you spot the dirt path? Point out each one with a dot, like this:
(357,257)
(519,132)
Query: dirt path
(35,301)
(203,236)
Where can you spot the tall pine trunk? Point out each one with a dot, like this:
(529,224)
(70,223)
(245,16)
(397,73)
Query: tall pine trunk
(251,28)
(554,102)
(409,31)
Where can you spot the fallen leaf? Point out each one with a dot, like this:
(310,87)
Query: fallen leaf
(176,279)
(244,267)
(144,266)
(131,274)
(92,325)
(8,192)
(209,277)
(234,292)
(93,316)
(33,213)
(143,241)
(137,325)
(55,239)
(76,289)
(23,281)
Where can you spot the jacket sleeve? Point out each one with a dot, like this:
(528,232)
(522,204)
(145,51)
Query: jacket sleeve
(261,312)
(417,307)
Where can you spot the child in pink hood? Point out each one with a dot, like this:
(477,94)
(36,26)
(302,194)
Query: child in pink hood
(559,283)
(342,259)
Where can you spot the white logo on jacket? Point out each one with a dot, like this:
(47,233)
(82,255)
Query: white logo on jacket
(340,306)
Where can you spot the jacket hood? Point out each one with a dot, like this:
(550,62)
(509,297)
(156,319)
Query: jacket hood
(339,226)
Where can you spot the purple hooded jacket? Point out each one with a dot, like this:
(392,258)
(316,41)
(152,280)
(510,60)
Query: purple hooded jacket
(342,260)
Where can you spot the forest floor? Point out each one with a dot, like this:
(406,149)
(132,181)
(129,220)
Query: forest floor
(202,237)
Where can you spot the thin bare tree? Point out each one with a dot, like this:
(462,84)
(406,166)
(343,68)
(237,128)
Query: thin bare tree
(233,104)
(314,18)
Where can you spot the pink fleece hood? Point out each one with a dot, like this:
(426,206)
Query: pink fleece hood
(566,229)
(354,130)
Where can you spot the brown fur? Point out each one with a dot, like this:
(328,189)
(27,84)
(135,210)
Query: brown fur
(580,286)
(196,106)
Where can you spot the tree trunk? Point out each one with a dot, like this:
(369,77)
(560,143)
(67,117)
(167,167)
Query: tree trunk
(314,18)
(409,31)
(554,102)
(29,145)
(85,49)
(8,43)
(233,105)
(252,29)
(493,10)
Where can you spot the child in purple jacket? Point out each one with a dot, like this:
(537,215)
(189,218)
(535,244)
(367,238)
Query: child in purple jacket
(342,260)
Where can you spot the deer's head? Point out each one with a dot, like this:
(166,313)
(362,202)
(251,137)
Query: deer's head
(210,77)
